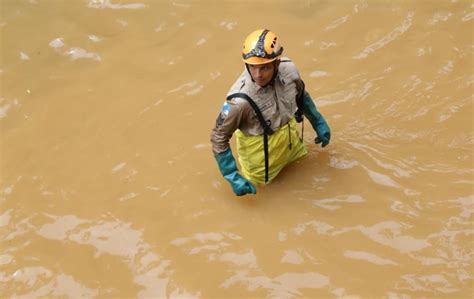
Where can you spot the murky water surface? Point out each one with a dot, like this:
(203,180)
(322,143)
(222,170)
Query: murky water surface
(109,188)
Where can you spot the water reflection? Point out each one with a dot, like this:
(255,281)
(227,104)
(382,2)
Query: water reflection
(287,285)
(332,203)
(292,257)
(73,52)
(45,284)
(369,257)
(101,4)
(108,187)
(394,34)
(113,237)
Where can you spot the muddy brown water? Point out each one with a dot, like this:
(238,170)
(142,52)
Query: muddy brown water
(109,188)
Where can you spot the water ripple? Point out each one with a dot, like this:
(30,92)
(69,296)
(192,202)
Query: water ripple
(407,23)
(73,52)
(108,238)
(399,168)
(102,4)
(369,257)
(335,203)
(61,285)
(286,285)
(337,23)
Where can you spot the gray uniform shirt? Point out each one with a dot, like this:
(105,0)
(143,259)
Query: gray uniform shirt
(276,101)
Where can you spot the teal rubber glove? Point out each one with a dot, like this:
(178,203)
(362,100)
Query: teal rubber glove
(228,168)
(317,121)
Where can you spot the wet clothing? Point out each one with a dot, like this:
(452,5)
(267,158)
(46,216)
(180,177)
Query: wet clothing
(277,103)
(285,146)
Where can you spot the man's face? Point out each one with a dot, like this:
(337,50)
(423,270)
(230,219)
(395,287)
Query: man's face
(262,73)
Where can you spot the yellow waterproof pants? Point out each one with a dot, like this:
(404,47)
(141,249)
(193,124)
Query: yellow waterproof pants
(252,157)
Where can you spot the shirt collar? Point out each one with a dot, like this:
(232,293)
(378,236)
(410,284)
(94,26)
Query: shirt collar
(255,87)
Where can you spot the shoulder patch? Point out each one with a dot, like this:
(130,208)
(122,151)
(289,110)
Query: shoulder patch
(225,108)
(223,114)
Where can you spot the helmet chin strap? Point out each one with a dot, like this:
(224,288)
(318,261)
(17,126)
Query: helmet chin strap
(275,72)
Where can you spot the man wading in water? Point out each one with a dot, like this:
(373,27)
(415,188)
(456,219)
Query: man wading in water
(263,107)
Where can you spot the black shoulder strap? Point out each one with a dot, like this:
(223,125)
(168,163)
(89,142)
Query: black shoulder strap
(266,128)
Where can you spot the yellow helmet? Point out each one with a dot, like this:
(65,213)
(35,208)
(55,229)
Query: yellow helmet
(261,46)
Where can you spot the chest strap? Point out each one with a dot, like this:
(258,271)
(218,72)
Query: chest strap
(266,128)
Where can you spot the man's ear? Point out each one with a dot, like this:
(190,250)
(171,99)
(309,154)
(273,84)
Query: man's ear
(248,70)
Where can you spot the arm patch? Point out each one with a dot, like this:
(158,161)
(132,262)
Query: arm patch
(223,114)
